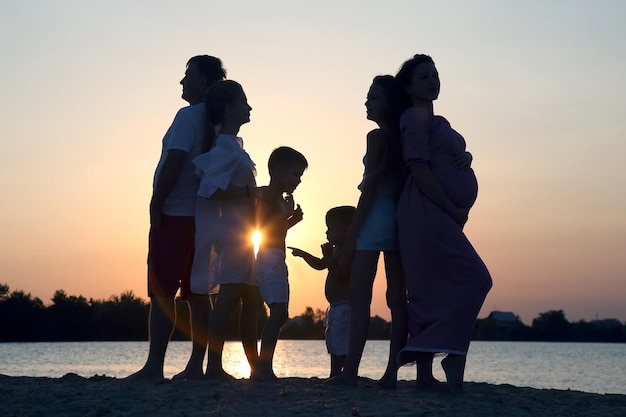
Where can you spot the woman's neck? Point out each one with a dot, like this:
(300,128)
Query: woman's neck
(424,104)
(229,129)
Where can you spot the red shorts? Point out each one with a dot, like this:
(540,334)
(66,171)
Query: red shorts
(170,256)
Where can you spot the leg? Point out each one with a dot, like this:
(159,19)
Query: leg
(336,364)
(425,380)
(160,326)
(200,312)
(397,303)
(278,317)
(170,253)
(251,304)
(227,301)
(454,367)
(364,265)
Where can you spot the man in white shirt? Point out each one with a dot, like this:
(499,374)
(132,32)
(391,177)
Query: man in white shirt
(172,228)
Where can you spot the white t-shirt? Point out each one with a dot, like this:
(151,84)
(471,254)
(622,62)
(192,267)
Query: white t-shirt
(187,134)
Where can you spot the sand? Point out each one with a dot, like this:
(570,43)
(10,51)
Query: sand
(73,395)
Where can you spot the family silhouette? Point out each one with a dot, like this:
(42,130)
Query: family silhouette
(417,189)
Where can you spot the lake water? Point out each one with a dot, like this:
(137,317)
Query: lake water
(589,367)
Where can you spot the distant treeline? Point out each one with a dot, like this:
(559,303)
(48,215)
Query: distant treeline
(24,318)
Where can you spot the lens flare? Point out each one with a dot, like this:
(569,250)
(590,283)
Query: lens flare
(256,239)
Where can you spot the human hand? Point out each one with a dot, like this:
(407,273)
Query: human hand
(296,251)
(327,250)
(297,215)
(155,217)
(463,160)
(289,204)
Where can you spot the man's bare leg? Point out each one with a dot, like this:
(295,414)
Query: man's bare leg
(200,312)
(161,324)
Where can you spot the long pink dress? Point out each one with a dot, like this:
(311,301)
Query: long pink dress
(447,282)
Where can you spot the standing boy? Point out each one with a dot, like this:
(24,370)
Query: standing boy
(276,213)
(337,287)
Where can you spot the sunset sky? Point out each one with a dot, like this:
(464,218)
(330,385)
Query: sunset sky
(537,88)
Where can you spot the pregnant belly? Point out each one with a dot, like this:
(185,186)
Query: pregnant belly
(459,184)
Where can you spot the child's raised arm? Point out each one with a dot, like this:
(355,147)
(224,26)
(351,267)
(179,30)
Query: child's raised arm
(296,217)
(313,261)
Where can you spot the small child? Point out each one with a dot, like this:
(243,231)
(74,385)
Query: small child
(337,287)
(275,215)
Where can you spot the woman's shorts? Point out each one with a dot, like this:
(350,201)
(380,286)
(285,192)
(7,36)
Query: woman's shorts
(379,232)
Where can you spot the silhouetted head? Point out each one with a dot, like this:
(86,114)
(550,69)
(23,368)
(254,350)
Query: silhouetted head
(286,166)
(338,220)
(225,104)
(384,101)
(418,77)
(202,72)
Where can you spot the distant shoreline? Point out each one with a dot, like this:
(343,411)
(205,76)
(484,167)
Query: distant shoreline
(104,396)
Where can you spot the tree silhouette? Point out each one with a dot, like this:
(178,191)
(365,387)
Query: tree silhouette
(28,319)
(552,326)
(25,318)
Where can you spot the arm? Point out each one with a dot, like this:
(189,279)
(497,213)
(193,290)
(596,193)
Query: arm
(168,176)
(376,166)
(295,218)
(313,261)
(415,125)
(463,160)
(233,192)
(430,186)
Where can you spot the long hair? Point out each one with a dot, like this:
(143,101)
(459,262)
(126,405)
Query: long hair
(404,75)
(220,94)
(396,101)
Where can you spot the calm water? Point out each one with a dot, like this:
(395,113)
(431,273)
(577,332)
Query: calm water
(590,367)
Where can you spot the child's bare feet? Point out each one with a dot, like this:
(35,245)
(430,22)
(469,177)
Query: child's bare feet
(454,367)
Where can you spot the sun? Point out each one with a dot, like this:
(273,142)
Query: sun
(256,239)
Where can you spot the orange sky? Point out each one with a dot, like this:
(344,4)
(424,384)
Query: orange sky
(537,91)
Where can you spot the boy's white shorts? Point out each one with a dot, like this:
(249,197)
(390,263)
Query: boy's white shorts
(272,276)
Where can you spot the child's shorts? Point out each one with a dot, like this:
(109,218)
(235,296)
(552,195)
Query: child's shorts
(272,276)
(338,328)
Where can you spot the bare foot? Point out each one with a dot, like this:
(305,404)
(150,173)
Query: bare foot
(454,368)
(188,375)
(218,375)
(146,376)
(388,381)
(342,379)
(432,385)
(263,376)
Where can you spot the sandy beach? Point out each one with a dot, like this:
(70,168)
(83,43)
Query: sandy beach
(73,395)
